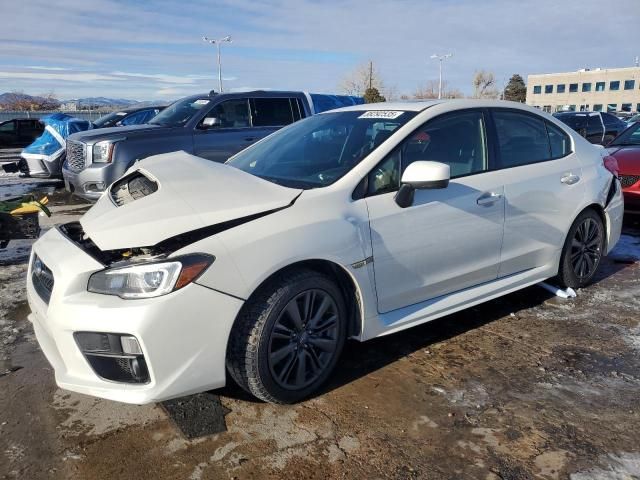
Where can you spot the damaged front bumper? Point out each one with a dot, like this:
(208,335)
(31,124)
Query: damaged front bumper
(181,337)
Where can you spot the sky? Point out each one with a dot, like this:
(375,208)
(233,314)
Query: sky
(153,49)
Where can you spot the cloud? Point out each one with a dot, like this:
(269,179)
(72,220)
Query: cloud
(143,48)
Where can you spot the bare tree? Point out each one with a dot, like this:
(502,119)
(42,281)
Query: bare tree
(359,80)
(17,100)
(484,85)
(430,91)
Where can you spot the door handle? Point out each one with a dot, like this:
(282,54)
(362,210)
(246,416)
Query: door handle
(488,198)
(570,179)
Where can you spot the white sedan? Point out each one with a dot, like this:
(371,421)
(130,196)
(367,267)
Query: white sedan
(354,223)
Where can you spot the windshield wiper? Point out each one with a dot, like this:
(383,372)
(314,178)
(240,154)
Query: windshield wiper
(624,144)
(290,183)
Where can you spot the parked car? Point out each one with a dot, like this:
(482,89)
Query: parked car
(354,223)
(43,158)
(128,116)
(633,119)
(19,132)
(626,150)
(597,127)
(212,126)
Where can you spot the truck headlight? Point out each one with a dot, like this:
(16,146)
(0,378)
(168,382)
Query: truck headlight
(103,152)
(151,279)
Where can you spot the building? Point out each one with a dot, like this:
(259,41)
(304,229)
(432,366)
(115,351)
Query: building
(69,107)
(600,89)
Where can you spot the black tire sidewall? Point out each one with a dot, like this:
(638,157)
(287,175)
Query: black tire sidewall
(282,297)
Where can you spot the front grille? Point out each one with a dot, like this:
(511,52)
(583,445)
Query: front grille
(628,180)
(76,152)
(42,279)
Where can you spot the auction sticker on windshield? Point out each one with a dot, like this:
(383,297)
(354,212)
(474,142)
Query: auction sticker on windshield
(386,114)
(201,101)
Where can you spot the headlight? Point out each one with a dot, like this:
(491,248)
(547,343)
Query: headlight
(103,152)
(146,280)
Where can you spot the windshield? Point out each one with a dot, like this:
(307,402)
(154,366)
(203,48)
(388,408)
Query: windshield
(180,112)
(319,150)
(109,120)
(631,136)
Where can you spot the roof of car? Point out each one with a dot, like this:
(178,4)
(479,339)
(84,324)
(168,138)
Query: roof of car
(137,109)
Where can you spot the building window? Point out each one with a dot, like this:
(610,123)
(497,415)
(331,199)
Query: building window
(615,85)
(560,88)
(537,89)
(559,108)
(573,87)
(597,107)
(626,107)
(547,108)
(548,89)
(572,108)
(611,107)
(584,108)
(638,107)
(629,84)
(600,86)
(586,87)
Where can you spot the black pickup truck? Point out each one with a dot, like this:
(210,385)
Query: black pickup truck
(597,127)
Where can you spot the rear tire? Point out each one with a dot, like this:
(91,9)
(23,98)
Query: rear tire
(582,251)
(288,337)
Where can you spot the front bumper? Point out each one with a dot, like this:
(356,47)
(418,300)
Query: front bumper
(42,166)
(183,335)
(632,199)
(91,182)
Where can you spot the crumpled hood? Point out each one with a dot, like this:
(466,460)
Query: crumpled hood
(191,193)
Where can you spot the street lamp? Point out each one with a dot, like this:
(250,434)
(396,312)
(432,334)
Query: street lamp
(217,44)
(440,58)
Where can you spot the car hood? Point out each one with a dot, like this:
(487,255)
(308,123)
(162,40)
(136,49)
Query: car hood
(192,193)
(98,134)
(628,158)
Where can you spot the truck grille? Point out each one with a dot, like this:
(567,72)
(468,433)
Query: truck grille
(628,180)
(42,279)
(75,156)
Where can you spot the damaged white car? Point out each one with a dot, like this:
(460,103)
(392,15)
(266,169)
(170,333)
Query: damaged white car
(353,223)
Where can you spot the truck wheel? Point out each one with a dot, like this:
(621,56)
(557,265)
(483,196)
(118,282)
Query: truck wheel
(582,250)
(288,337)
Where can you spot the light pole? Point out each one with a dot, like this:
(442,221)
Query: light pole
(217,44)
(440,58)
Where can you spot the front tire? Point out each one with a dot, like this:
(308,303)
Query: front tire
(288,337)
(582,251)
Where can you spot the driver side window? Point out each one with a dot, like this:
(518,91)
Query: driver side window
(457,139)
(232,113)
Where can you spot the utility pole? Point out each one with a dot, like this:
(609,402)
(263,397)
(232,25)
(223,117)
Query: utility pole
(217,44)
(440,58)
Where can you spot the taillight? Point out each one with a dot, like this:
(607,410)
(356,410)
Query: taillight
(611,164)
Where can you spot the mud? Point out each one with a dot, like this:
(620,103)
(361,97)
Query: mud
(526,386)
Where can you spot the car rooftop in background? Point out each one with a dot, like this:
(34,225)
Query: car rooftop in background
(128,116)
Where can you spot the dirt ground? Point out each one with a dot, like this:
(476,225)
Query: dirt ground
(526,386)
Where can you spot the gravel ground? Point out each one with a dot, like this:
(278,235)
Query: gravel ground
(526,386)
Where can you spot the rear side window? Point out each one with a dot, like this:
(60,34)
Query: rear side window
(8,127)
(272,112)
(522,138)
(559,141)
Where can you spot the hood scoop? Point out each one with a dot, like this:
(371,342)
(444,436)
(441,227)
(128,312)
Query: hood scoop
(132,187)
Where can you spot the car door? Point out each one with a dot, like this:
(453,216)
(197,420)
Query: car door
(232,134)
(595,128)
(448,239)
(542,187)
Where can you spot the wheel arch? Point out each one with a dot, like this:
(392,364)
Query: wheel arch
(341,276)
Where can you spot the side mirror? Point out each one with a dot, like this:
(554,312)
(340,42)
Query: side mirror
(211,122)
(421,175)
